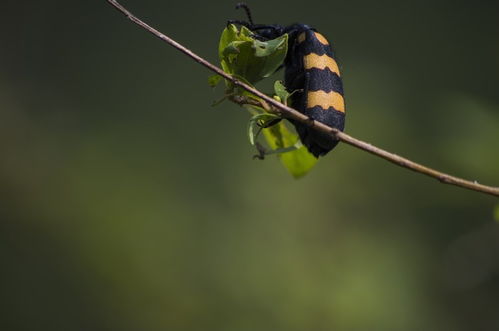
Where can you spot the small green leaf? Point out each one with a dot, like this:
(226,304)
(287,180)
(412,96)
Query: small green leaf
(258,122)
(298,161)
(233,48)
(252,134)
(248,57)
(246,34)
(268,48)
(281,91)
(229,34)
(214,80)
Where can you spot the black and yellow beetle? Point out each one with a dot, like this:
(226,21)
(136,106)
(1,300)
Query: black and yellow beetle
(311,72)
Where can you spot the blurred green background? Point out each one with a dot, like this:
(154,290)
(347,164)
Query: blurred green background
(128,203)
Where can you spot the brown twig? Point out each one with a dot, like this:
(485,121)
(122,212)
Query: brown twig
(291,113)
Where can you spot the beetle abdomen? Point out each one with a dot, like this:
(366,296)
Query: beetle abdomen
(312,71)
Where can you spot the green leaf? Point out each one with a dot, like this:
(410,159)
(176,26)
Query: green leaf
(229,34)
(214,80)
(281,92)
(233,49)
(240,54)
(258,122)
(245,33)
(268,48)
(496,213)
(298,161)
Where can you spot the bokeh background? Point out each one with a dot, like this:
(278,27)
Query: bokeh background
(128,203)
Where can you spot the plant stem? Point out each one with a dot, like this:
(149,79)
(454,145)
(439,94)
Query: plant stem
(290,113)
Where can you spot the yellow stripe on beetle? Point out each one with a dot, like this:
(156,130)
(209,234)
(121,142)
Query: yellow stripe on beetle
(320,62)
(318,36)
(321,38)
(326,100)
(301,37)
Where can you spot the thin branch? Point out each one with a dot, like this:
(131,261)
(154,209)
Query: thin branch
(293,114)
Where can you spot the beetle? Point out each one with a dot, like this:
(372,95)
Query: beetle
(312,75)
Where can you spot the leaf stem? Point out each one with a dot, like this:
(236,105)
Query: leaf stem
(293,114)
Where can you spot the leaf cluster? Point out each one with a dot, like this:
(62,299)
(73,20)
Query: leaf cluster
(251,60)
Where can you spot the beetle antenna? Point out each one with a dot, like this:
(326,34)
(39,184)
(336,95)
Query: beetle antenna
(247,10)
